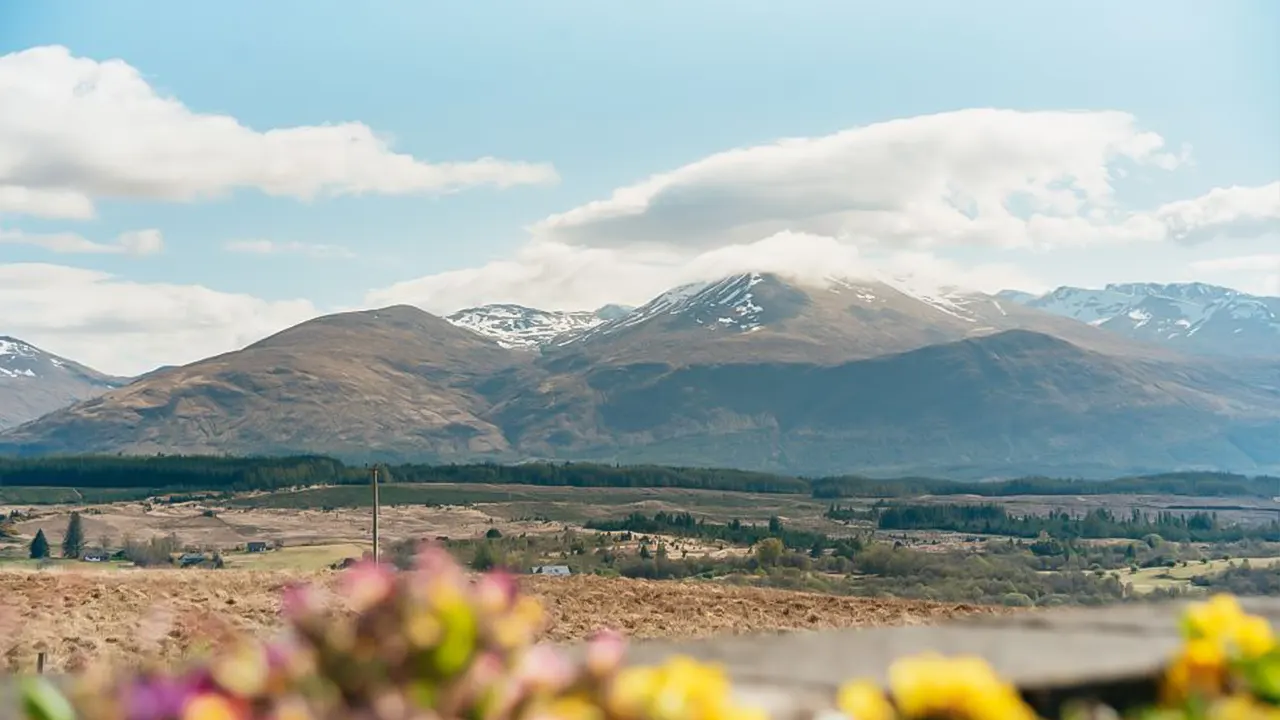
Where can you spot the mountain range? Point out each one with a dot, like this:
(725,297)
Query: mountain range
(752,370)
(1190,317)
(34,382)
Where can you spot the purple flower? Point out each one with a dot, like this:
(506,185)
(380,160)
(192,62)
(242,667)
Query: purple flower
(158,698)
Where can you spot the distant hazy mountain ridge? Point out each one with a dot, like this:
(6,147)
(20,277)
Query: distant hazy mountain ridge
(1191,317)
(34,382)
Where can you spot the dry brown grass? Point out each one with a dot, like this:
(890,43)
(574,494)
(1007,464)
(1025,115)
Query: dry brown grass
(78,617)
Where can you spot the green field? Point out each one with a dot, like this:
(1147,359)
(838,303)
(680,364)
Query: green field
(1148,579)
(564,504)
(11,495)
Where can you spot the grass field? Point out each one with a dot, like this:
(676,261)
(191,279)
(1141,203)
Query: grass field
(1148,579)
(562,504)
(78,617)
(306,558)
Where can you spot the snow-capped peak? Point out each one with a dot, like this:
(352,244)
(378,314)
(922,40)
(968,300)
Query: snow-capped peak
(19,360)
(1193,316)
(727,304)
(525,328)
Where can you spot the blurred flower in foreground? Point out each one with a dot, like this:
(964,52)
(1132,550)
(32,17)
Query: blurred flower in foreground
(1226,651)
(433,643)
(929,687)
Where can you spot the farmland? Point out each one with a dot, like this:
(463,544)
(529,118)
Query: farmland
(78,617)
(730,555)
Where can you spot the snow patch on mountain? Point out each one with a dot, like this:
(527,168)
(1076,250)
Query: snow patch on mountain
(1196,317)
(524,328)
(20,360)
(725,304)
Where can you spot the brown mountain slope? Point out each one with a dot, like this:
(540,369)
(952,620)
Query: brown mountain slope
(388,381)
(1015,401)
(761,317)
(756,381)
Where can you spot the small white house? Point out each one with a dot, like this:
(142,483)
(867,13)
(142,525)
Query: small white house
(551,570)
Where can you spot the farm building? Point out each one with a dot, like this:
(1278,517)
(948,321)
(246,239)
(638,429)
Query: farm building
(256,547)
(190,559)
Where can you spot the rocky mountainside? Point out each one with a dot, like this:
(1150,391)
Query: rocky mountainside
(750,371)
(34,382)
(517,326)
(1190,317)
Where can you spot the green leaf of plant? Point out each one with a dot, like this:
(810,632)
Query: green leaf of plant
(42,701)
(1262,676)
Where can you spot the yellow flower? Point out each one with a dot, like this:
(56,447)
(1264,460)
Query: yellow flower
(573,707)
(422,627)
(1222,620)
(864,700)
(965,687)
(210,706)
(1199,669)
(681,689)
(243,671)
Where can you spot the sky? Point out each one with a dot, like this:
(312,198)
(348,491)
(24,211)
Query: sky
(181,179)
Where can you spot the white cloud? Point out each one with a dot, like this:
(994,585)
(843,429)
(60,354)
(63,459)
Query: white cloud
(1257,273)
(132,242)
(946,199)
(270,247)
(1224,213)
(980,177)
(127,328)
(76,129)
(972,178)
(558,276)
(1261,262)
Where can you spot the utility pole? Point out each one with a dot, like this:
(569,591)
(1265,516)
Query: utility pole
(374,472)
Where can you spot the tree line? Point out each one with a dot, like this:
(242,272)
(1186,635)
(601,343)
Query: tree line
(1097,523)
(218,473)
(734,532)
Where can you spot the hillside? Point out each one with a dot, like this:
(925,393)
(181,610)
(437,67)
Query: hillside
(1190,317)
(1013,402)
(394,380)
(751,372)
(34,382)
(759,317)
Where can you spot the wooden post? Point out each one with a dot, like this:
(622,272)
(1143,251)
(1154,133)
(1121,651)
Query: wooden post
(40,663)
(376,555)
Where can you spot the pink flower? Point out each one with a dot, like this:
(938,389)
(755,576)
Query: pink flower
(496,591)
(366,584)
(605,652)
(300,600)
(544,669)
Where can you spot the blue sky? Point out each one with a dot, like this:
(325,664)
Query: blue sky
(609,94)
